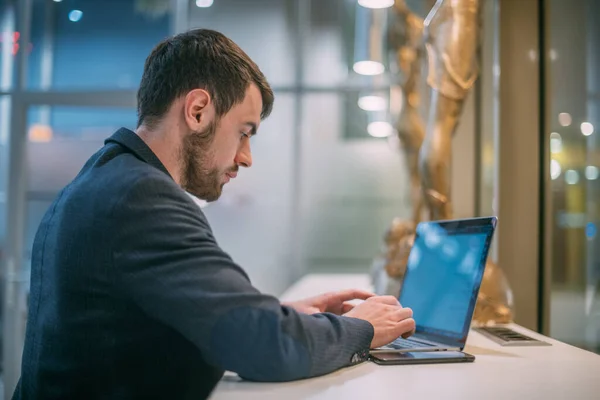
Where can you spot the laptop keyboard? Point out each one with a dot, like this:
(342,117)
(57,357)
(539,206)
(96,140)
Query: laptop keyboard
(402,343)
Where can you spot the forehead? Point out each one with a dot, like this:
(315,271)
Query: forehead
(250,108)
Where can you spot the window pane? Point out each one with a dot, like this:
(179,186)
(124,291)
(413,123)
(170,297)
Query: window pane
(61,139)
(92,44)
(9,42)
(252,219)
(262,28)
(330,39)
(4,132)
(328,47)
(488,109)
(573,124)
(351,189)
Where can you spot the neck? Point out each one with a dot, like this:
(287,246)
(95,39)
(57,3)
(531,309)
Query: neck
(165,144)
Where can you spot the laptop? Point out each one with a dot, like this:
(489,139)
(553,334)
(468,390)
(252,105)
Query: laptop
(443,275)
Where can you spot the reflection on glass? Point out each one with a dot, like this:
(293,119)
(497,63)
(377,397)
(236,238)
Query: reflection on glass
(591,173)
(555,143)
(450,249)
(369,40)
(571,177)
(438,287)
(380,129)
(376,3)
(75,15)
(368,67)
(555,169)
(352,185)
(587,128)
(372,103)
(564,119)
(204,3)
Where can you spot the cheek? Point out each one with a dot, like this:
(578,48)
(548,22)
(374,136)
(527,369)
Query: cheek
(224,153)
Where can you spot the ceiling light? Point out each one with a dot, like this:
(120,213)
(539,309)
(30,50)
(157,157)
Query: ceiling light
(372,103)
(572,177)
(555,143)
(204,3)
(370,51)
(376,3)
(380,129)
(75,15)
(587,129)
(564,119)
(591,173)
(555,169)
(368,67)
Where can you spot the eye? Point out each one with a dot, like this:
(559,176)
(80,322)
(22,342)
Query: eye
(244,134)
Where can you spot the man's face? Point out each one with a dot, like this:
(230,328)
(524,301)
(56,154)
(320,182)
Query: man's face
(212,157)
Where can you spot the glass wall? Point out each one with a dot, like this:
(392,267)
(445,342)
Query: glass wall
(572,90)
(339,186)
(351,186)
(322,190)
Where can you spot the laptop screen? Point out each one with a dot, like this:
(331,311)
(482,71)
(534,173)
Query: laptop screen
(444,272)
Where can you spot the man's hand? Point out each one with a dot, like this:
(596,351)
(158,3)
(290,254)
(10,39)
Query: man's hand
(389,319)
(335,302)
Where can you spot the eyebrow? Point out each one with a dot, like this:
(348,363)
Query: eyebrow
(253,126)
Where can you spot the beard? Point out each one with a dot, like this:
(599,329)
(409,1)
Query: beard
(198,178)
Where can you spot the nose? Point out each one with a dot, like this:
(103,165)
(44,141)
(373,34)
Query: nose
(243,157)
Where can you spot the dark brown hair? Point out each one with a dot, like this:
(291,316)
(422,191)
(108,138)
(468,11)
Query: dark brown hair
(198,59)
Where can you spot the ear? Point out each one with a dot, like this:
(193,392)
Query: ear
(198,110)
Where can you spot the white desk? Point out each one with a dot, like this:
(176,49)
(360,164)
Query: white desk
(559,371)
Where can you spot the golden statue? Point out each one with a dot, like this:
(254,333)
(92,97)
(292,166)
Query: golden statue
(405,37)
(451,32)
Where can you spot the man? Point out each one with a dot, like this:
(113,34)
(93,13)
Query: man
(131,297)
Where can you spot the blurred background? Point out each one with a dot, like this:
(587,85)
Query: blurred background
(328,174)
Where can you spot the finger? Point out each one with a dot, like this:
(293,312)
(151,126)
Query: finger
(347,307)
(405,327)
(403,313)
(390,309)
(352,294)
(408,334)
(391,300)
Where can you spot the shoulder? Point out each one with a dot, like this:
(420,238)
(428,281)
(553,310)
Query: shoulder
(152,197)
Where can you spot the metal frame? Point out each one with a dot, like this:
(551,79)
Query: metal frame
(519,157)
(15,217)
(593,192)
(545,193)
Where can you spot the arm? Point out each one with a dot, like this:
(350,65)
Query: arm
(168,262)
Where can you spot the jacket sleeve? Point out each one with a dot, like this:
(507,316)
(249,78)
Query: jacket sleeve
(168,262)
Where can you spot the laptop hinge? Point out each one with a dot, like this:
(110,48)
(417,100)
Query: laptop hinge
(446,341)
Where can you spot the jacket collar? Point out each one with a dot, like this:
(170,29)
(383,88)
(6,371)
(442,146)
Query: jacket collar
(137,146)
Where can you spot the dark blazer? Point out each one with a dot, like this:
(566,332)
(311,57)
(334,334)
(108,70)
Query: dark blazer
(131,296)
